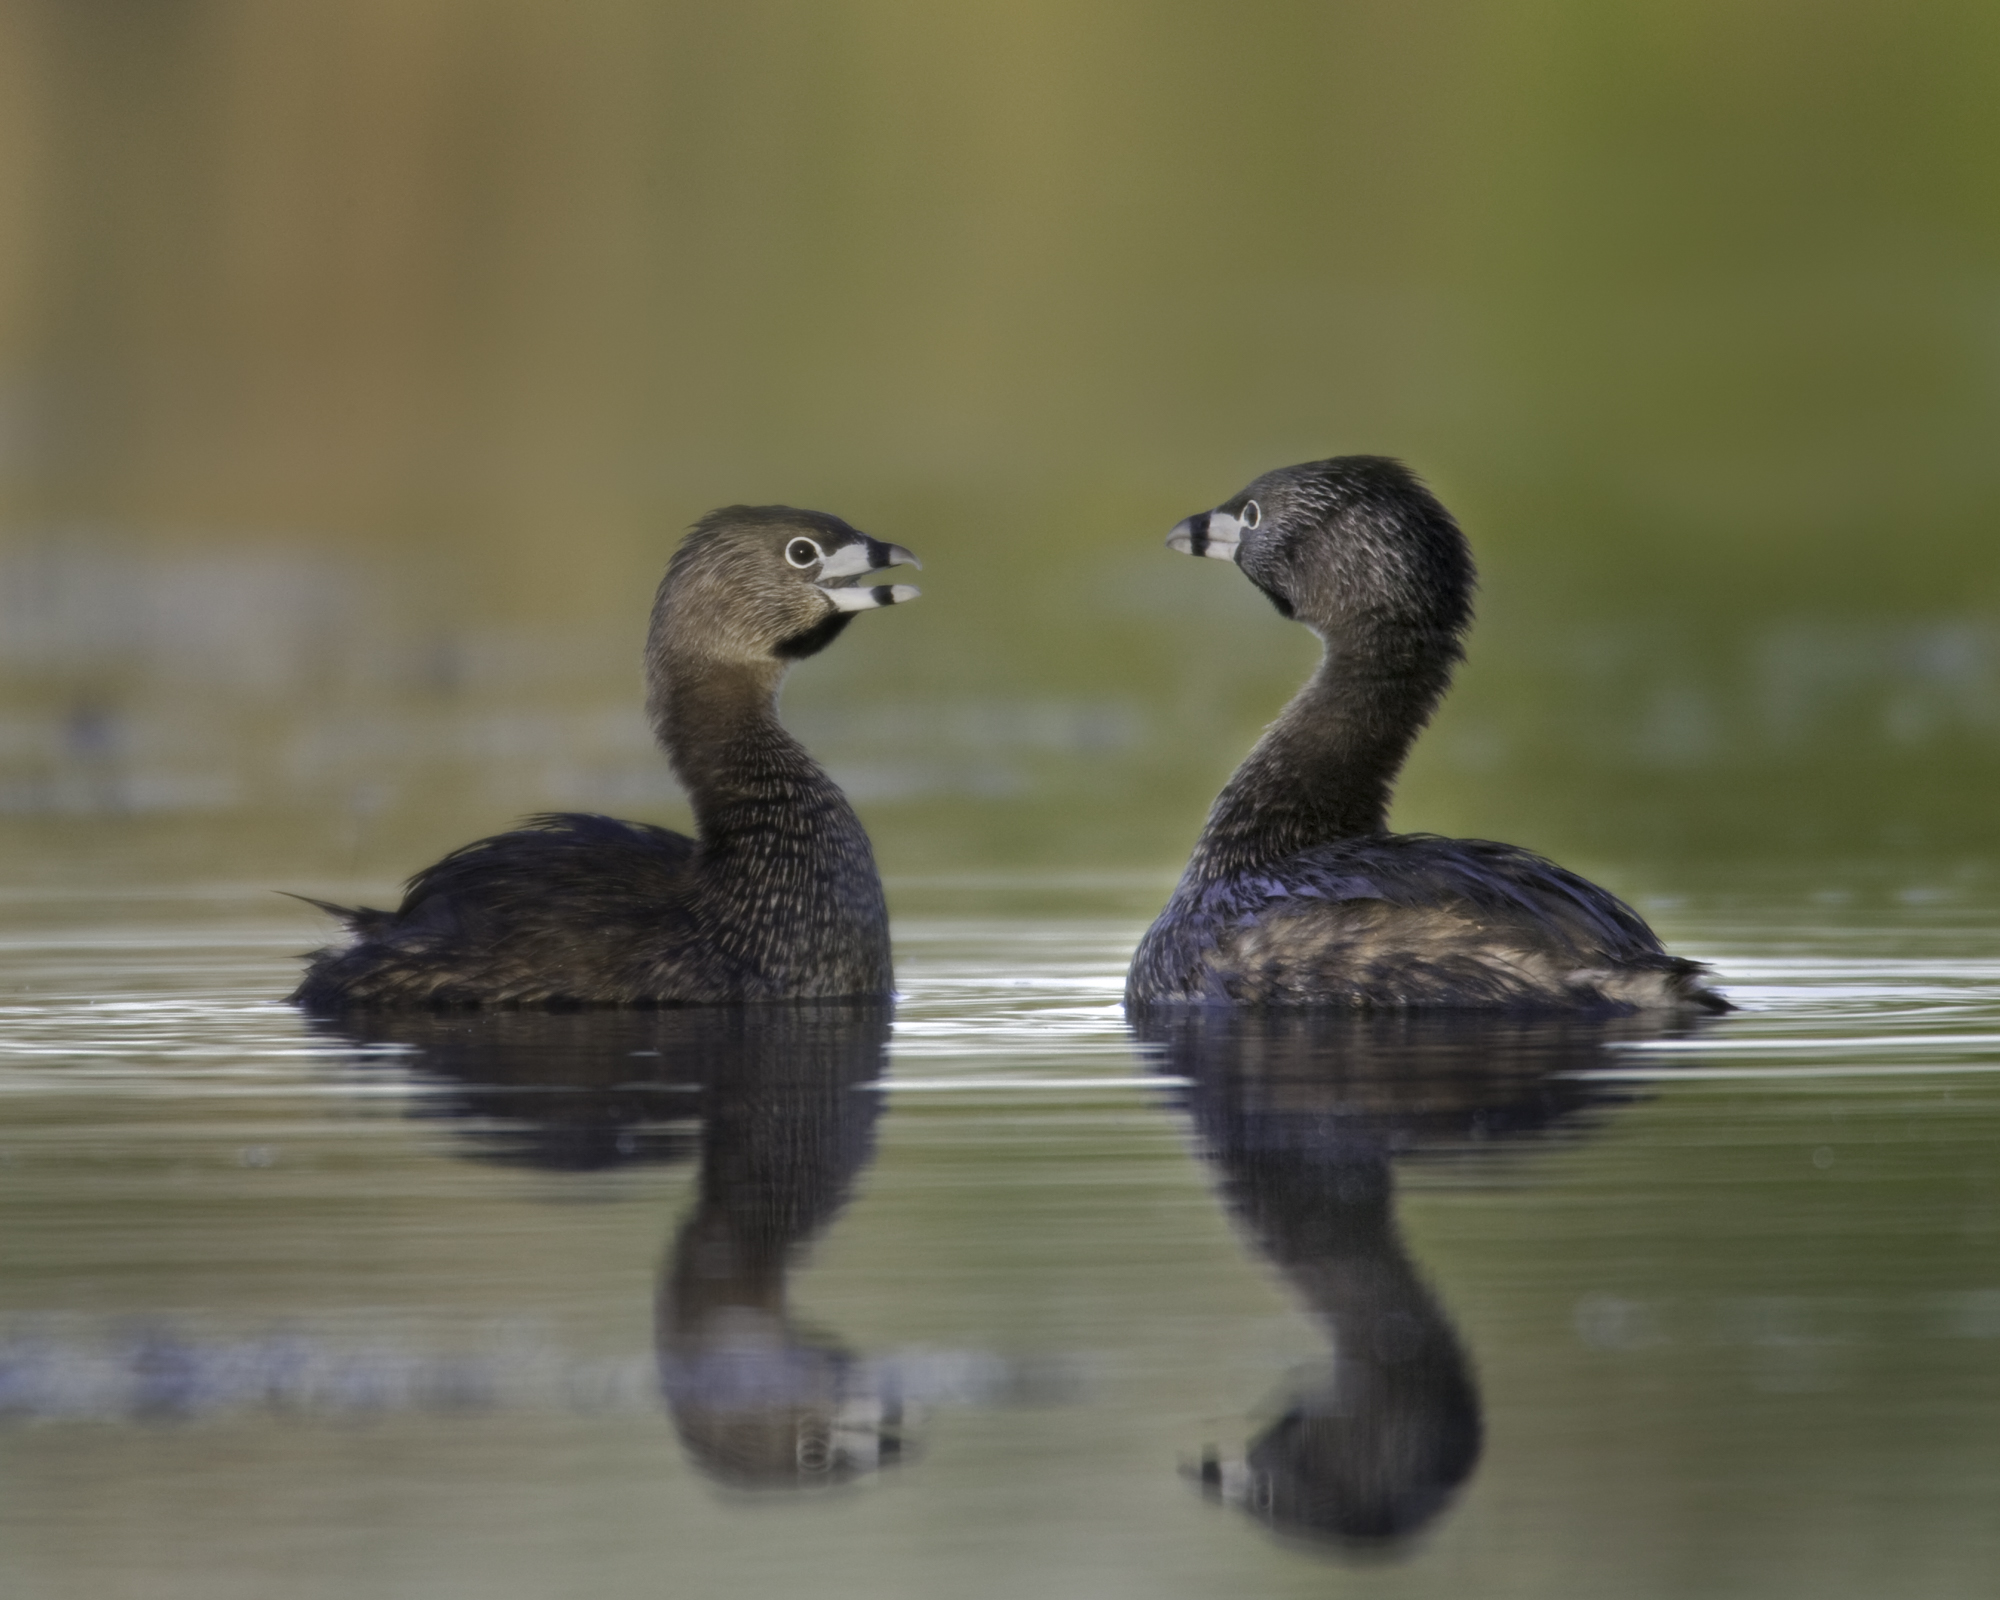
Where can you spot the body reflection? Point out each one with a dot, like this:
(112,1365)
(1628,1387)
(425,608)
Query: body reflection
(574,1091)
(1304,1115)
(786,1119)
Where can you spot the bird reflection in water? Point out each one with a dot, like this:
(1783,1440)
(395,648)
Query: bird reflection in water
(1304,1116)
(760,1400)
(569,1091)
(783,1100)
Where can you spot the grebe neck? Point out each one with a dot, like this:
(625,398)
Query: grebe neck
(1324,770)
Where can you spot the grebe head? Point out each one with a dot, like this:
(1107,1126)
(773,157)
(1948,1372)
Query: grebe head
(757,583)
(1352,541)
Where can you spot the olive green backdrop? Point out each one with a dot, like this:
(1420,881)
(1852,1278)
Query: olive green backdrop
(361,360)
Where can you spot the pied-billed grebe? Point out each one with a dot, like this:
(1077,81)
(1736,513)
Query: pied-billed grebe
(778,899)
(1296,892)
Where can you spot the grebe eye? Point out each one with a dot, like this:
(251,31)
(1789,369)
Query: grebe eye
(1250,515)
(803,552)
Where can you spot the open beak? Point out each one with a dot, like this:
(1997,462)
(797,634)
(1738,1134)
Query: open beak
(1228,1480)
(1209,533)
(851,561)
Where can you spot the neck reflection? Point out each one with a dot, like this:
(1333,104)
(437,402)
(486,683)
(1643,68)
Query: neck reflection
(1305,1116)
(777,1102)
(762,1401)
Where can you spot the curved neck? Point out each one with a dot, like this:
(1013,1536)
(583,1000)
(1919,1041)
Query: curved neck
(751,784)
(1324,769)
(775,832)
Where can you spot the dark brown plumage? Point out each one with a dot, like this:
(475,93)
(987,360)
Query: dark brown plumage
(778,899)
(1297,893)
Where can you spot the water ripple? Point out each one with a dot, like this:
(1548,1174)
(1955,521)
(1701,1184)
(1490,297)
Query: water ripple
(187,1007)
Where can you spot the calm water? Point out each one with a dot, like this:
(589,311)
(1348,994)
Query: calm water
(359,366)
(976,1300)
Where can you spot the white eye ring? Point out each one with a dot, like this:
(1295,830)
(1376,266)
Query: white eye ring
(803,552)
(1250,515)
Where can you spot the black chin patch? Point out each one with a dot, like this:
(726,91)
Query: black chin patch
(1284,606)
(814,639)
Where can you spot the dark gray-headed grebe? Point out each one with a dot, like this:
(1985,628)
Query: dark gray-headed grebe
(778,899)
(1297,893)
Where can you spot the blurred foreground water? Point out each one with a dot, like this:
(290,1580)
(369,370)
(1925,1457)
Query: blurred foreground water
(993,1297)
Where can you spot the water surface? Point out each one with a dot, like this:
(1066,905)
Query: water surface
(996,1296)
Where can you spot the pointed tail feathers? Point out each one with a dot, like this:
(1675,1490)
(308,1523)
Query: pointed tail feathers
(363,921)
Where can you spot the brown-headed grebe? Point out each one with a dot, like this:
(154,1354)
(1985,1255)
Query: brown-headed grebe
(778,899)
(1297,893)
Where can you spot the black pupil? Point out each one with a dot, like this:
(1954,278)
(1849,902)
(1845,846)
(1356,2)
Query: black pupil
(802,552)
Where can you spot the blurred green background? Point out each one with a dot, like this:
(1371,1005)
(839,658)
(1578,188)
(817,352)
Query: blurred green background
(361,360)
